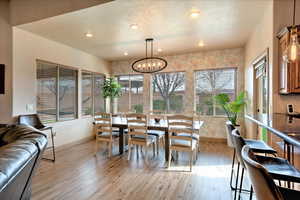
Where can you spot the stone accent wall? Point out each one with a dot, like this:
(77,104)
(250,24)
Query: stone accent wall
(188,63)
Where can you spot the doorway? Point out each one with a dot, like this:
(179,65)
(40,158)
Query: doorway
(261,93)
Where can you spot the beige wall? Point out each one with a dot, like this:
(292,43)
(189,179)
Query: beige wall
(32,10)
(28,47)
(259,41)
(227,58)
(6,58)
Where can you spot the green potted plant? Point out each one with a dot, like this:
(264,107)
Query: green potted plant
(111,89)
(231,108)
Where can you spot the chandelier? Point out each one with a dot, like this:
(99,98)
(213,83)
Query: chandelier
(149,64)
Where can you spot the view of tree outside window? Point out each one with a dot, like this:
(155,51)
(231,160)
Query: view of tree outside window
(132,93)
(209,83)
(86,93)
(99,101)
(168,92)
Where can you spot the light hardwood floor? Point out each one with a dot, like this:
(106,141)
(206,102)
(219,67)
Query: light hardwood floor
(79,175)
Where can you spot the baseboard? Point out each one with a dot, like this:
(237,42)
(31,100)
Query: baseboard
(71,144)
(210,139)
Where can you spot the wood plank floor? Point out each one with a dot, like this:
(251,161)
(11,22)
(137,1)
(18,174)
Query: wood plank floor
(79,175)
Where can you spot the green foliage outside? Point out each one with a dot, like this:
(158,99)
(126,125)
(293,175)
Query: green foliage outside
(176,104)
(231,108)
(138,108)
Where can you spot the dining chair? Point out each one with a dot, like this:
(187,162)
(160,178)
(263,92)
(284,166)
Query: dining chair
(181,136)
(138,133)
(160,135)
(104,132)
(279,168)
(257,146)
(262,182)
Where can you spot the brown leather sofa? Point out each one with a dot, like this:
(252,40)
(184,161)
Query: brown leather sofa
(21,148)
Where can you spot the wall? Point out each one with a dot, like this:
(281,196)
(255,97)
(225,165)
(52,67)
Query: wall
(228,58)
(28,47)
(260,39)
(6,58)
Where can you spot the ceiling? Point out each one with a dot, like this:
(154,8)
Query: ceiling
(221,24)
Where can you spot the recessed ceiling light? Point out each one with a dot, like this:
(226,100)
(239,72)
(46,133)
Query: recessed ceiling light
(159,50)
(89,35)
(194,13)
(201,44)
(134,26)
(125,54)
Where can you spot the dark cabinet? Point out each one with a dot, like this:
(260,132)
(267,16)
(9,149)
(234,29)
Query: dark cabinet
(289,73)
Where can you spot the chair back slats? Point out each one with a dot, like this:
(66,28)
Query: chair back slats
(103,123)
(263,184)
(180,128)
(137,124)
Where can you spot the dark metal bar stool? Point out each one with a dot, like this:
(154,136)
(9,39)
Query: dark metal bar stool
(278,168)
(262,182)
(255,145)
(34,121)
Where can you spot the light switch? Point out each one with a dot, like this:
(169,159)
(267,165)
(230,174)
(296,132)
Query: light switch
(29,107)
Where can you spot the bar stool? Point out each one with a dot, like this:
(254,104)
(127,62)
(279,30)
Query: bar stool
(262,182)
(257,146)
(278,168)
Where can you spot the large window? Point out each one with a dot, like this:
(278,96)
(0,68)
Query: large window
(56,92)
(209,83)
(132,93)
(91,93)
(168,92)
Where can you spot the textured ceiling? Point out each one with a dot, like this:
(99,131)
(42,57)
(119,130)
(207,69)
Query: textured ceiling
(221,24)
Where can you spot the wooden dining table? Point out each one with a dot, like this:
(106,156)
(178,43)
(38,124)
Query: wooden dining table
(162,125)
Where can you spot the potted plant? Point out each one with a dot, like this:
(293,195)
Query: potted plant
(111,89)
(231,108)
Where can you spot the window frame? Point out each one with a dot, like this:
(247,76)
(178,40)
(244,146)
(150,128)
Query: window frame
(167,72)
(93,74)
(214,69)
(129,86)
(57,79)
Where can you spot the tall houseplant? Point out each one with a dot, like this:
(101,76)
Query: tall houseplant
(111,89)
(231,108)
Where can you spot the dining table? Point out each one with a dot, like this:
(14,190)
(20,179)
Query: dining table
(162,125)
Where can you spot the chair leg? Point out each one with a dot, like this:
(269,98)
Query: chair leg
(232,170)
(236,181)
(96,146)
(157,145)
(241,183)
(146,153)
(53,146)
(109,149)
(251,193)
(129,150)
(191,160)
(169,161)
(153,147)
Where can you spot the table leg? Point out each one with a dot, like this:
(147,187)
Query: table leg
(121,141)
(166,146)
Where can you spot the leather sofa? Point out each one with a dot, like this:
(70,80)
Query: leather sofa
(21,148)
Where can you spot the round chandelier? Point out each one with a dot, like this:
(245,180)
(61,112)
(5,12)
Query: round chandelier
(149,64)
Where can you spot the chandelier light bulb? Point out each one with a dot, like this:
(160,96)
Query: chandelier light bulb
(294,49)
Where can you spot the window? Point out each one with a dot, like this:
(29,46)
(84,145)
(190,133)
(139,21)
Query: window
(132,93)
(168,92)
(99,101)
(86,93)
(209,83)
(92,99)
(56,92)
